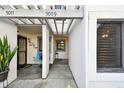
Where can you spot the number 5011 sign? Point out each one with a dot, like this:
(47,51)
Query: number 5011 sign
(10,12)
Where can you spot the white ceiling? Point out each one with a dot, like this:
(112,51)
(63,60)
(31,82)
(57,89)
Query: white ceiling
(30,29)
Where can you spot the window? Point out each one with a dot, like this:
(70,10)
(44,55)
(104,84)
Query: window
(109,46)
(40,43)
(60,44)
(60,7)
(57,6)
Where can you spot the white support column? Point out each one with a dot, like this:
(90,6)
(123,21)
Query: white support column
(45,62)
(52,50)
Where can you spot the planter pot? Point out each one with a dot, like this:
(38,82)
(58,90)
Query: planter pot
(3,75)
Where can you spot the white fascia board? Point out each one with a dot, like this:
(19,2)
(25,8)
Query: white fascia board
(34,13)
(96,8)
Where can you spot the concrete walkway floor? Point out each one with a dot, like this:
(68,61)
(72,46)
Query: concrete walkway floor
(59,77)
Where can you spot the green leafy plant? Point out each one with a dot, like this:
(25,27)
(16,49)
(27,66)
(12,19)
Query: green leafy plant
(6,53)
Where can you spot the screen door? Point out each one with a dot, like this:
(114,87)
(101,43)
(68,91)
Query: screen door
(22,51)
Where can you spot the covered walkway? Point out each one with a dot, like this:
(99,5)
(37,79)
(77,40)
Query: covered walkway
(56,24)
(59,77)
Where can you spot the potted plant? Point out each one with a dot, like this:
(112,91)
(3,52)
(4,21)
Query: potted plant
(6,55)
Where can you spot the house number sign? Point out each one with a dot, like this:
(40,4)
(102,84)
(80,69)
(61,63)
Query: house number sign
(51,13)
(9,12)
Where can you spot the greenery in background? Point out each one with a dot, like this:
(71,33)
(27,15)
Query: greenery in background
(6,53)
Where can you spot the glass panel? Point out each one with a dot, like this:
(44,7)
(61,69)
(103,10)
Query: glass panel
(109,45)
(22,44)
(21,51)
(21,58)
(60,45)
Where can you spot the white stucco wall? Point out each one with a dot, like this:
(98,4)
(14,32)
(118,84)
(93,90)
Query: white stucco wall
(9,29)
(101,79)
(77,52)
(31,51)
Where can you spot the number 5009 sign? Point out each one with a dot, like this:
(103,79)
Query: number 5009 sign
(51,13)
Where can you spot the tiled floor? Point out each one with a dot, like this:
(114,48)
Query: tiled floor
(59,77)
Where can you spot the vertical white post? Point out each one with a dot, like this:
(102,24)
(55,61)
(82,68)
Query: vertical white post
(52,50)
(45,62)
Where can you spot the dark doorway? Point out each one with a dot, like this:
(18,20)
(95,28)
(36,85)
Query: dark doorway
(22,52)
